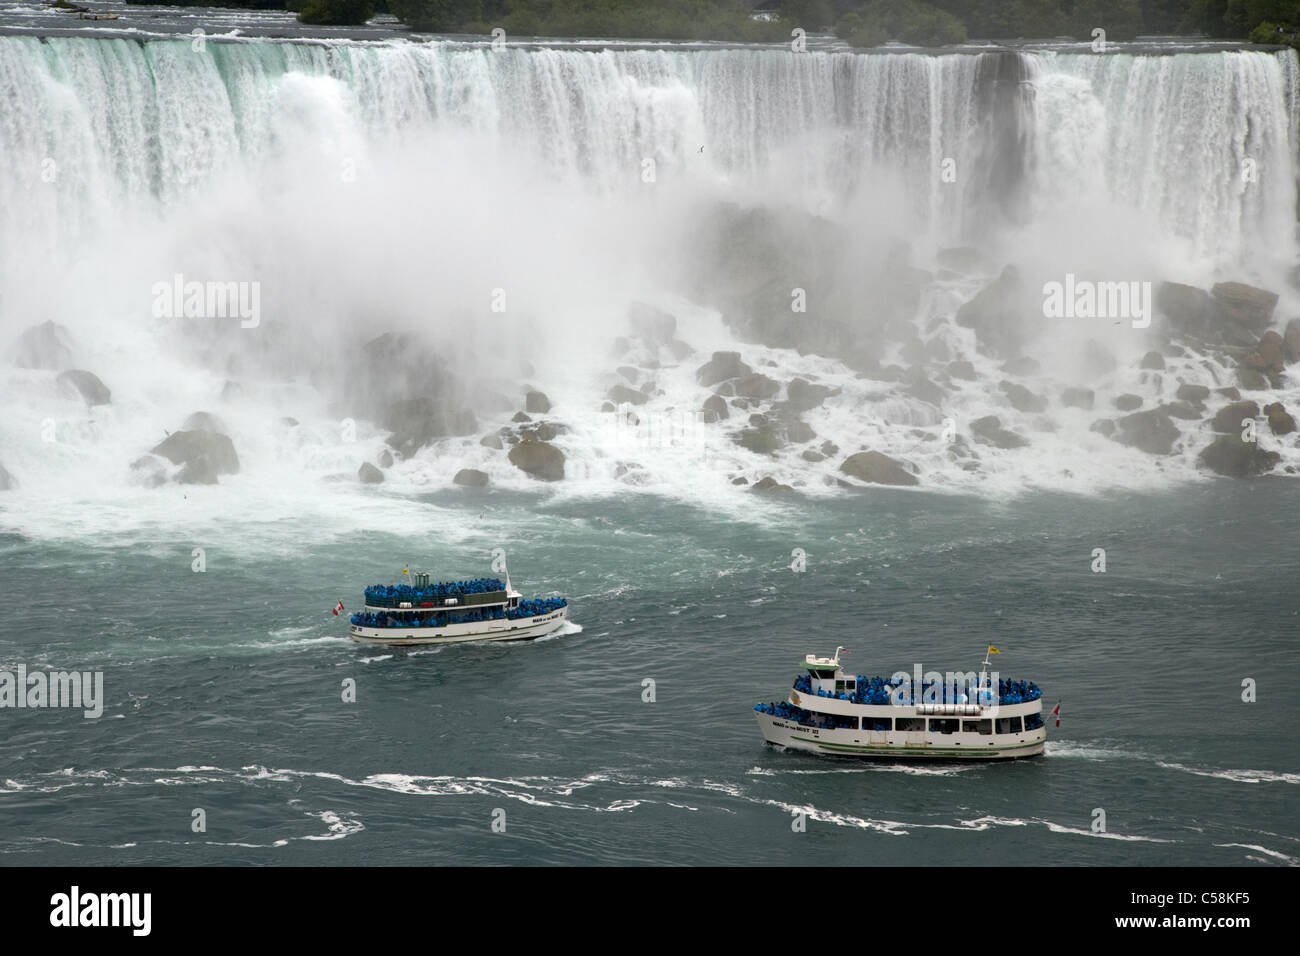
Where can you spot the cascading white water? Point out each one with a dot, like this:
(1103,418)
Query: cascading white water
(1200,146)
(395,185)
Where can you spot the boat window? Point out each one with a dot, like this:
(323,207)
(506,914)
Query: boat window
(944,725)
(909,724)
(1008,725)
(877,723)
(977,726)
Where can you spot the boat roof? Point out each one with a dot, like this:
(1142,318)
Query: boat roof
(821,663)
(463,582)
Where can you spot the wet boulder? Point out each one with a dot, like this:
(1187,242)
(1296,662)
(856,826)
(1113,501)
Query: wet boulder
(1022,399)
(1280,421)
(1252,381)
(87,385)
(386,459)
(1187,308)
(1229,419)
(150,471)
(1151,431)
(544,431)
(1291,341)
(416,422)
(715,409)
(1128,402)
(7,481)
(471,478)
(770,485)
(538,459)
(203,456)
(1153,361)
(799,432)
(1104,426)
(1245,304)
(765,439)
(537,403)
(1267,356)
(722,367)
(492,441)
(962,369)
(1196,394)
(368,474)
(756,385)
(47,346)
(1183,410)
(1230,456)
(204,422)
(877,468)
(989,431)
(622,395)
(919,386)
(802,395)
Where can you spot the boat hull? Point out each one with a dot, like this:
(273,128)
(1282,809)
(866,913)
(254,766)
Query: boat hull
(893,745)
(523,629)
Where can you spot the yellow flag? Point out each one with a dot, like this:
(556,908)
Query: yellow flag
(993,650)
(405,571)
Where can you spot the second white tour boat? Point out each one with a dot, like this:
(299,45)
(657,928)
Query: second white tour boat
(481,609)
(961,716)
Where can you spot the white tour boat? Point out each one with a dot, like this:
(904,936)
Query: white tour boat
(954,716)
(482,609)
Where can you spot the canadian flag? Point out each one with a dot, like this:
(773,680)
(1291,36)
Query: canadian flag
(338,610)
(1057,714)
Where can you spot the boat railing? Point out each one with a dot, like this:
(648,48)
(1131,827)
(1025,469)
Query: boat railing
(446,594)
(443,617)
(424,601)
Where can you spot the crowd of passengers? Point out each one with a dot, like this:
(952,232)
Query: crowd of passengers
(787,711)
(406,619)
(877,690)
(395,594)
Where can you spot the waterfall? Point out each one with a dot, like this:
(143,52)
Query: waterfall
(132,124)
(391,185)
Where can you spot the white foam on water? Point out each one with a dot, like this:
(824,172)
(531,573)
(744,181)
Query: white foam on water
(990,821)
(1272,854)
(1236,776)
